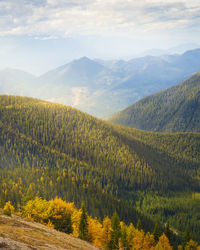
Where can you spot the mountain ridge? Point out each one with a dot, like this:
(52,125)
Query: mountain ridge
(172,110)
(86,84)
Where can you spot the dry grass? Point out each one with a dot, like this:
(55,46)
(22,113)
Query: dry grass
(20,233)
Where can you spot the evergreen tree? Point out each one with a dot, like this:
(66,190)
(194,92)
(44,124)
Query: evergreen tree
(168,233)
(63,224)
(186,236)
(156,232)
(139,225)
(83,226)
(115,232)
(124,238)
(68,227)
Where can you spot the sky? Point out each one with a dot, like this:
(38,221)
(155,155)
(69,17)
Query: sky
(39,35)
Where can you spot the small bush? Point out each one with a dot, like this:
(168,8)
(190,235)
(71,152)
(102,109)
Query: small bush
(8,209)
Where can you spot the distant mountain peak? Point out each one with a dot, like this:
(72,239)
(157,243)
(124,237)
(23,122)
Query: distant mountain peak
(85,61)
(84,58)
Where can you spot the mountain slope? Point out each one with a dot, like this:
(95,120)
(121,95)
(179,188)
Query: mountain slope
(19,233)
(14,81)
(175,109)
(53,150)
(78,72)
(100,145)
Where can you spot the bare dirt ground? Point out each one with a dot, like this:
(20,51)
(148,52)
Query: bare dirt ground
(19,233)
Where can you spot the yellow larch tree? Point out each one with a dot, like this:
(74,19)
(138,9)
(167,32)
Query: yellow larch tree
(106,232)
(163,243)
(94,231)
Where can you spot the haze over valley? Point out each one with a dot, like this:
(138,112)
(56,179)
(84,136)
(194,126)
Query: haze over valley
(87,84)
(100,124)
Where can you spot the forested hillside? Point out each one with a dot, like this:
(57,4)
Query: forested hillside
(52,150)
(173,110)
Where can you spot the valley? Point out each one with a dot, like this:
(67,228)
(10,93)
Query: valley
(50,150)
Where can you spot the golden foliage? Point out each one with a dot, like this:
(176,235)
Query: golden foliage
(192,245)
(47,212)
(8,208)
(95,231)
(163,243)
(59,208)
(106,236)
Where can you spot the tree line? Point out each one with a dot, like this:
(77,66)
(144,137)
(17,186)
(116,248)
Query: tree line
(110,233)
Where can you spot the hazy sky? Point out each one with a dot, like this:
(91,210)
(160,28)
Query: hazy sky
(37,35)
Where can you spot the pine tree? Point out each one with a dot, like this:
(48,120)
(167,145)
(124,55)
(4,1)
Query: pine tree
(63,224)
(168,233)
(106,232)
(115,232)
(124,238)
(186,236)
(83,226)
(139,225)
(156,232)
(68,227)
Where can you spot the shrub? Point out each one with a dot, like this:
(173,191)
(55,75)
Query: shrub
(8,209)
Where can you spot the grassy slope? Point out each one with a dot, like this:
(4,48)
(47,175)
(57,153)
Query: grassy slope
(20,233)
(173,110)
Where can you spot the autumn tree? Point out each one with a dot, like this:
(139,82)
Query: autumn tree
(149,242)
(106,232)
(191,245)
(163,243)
(138,240)
(8,209)
(60,215)
(131,232)
(94,231)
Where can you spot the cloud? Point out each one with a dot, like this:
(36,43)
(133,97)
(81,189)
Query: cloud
(61,18)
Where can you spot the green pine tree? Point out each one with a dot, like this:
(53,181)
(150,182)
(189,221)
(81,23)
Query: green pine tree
(68,227)
(168,233)
(186,236)
(139,225)
(124,238)
(63,224)
(156,232)
(115,232)
(83,227)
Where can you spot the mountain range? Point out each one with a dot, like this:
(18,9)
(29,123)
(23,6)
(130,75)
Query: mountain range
(102,88)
